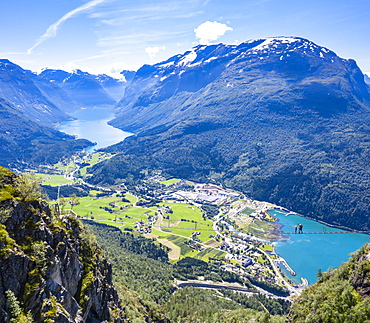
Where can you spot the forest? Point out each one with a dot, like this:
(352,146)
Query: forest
(144,279)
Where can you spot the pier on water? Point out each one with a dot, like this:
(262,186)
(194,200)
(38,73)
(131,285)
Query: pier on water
(328,232)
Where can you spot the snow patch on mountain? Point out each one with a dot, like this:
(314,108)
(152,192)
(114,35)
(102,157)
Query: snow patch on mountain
(274,42)
(210,60)
(191,57)
(166,65)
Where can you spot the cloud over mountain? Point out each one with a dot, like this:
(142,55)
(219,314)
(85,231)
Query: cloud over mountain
(210,31)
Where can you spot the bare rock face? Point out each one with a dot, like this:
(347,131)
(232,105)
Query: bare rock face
(361,274)
(54,269)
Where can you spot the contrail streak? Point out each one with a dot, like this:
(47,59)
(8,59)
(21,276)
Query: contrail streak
(52,30)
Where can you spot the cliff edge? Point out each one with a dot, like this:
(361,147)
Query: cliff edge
(51,269)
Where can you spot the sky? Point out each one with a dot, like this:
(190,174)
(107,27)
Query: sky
(108,36)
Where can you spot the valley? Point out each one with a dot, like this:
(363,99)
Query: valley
(201,221)
(189,218)
(226,175)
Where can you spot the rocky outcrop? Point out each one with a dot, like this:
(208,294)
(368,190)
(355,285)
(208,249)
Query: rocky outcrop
(53,267)
(360,279)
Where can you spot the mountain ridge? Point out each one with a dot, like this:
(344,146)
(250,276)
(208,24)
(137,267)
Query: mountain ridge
(24,142)
(86,89)
(193,71)
(17,87)
(286,123)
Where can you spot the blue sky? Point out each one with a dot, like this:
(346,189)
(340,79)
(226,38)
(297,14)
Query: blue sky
(110,35)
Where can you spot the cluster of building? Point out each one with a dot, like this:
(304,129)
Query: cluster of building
(204,193)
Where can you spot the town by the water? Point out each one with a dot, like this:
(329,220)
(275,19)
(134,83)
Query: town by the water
(198,220)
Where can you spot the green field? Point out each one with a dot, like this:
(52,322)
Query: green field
(182,243)
(111,210)
(210,253)
(267,247)
(133,199)
(248,211)
(193,221)
(52,180)
(62,167)
(170,181)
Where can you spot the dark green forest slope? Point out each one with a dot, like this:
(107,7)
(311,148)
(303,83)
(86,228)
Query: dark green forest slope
(25,142)
(145,281)
(283,120)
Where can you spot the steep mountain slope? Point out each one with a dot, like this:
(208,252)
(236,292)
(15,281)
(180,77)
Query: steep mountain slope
(17,86)
(51,270)
(86,89)
(53,93)
(367,79)
(284,75)
(281,119)
(24,142)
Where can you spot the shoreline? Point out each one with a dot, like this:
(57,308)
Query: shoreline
(322,222)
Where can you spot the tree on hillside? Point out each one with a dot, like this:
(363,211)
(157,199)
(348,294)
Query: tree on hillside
(28,187)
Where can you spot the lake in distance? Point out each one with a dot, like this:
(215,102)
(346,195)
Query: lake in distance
(92,124)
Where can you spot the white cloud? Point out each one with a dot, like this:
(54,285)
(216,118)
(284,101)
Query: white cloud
(153,51)
(210,31)
(52,30)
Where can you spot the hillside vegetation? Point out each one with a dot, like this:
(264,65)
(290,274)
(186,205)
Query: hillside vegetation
(51,269)
(282,120)
(24,142)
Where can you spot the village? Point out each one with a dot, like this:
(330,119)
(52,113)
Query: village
(200,220)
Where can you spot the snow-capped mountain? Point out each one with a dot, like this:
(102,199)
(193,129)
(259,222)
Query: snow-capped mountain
(282,119)
(265,68)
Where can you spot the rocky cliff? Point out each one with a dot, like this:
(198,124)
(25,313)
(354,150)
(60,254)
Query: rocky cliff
(51,269)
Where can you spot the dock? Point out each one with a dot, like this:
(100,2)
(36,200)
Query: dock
(286,265)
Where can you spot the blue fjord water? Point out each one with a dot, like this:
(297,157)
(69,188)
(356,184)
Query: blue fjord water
(307,253)
(93,124)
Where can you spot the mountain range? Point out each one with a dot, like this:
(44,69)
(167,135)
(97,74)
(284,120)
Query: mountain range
(49,96)
(281,119)
(18,87)
(31,104)
(85,89)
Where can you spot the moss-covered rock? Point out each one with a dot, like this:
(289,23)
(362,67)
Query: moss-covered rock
(50,265)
